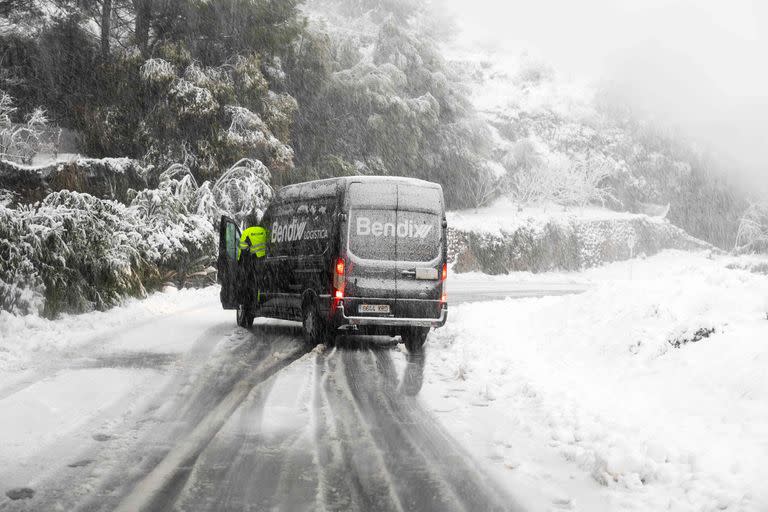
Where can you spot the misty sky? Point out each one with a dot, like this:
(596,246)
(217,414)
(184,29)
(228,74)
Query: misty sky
(700,66)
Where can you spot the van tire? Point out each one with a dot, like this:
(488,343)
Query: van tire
(245,316)
(414,338)
(314,328)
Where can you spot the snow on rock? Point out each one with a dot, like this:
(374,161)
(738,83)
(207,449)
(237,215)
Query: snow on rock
(596,379)
(106,178)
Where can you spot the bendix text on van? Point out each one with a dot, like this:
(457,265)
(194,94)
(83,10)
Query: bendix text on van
(404,229)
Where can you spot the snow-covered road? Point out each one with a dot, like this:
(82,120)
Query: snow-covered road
(166,404)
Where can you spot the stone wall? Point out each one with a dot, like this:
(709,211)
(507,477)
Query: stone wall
(567,245)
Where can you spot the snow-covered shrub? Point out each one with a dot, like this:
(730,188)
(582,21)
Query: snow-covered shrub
(73,252)
(20,142)
(179,179)
(89,252)
(21,286)
(217,80)
(533,71)
(7,198)
(753,230)
(273,70)
(249,80)
(565,180)
(157,71)
(188,99)
(179,242)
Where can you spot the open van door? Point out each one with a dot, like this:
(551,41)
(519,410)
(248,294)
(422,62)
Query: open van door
(229,239)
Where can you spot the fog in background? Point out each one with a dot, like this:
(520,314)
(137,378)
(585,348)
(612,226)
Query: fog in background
(699,67)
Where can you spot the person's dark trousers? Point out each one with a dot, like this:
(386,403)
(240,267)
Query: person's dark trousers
(249,279)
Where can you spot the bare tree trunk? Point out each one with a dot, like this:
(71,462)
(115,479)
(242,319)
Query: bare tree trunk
(106,18)
(143,21)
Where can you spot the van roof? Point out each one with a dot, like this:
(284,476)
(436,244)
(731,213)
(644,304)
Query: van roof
(331,186)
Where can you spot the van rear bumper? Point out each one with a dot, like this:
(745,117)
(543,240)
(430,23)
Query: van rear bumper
(387,321)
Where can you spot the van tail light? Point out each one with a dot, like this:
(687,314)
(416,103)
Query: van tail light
(338,278)
(443,277)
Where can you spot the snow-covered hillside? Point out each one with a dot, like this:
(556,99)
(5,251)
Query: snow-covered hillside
(573,142)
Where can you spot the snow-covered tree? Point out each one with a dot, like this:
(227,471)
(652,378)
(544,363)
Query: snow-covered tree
(568,180)
(753,230)
(20,142)
(208,117)
(242,190)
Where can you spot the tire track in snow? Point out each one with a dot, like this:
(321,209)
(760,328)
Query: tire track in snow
(351,441)
(416,481)
(250,466)
(371,485)
(159,488)
(420,443)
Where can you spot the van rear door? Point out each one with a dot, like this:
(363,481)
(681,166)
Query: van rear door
(371,256)
(226,264)
(419,251)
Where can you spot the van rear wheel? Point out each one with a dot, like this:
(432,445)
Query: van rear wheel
(245,316)
(314,328)
(414,338)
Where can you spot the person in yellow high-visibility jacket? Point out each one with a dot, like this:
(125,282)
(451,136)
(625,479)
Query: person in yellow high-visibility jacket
(250,251)
(253,241)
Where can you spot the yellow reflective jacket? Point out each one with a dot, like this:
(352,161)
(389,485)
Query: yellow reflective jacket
(254,240)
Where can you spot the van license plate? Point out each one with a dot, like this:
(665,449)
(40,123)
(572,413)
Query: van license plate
(373,308)
(426,273)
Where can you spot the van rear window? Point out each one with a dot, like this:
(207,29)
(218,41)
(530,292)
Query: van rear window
(390,235)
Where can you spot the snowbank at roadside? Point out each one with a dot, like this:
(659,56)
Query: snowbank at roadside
(597,379)
(28,338)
